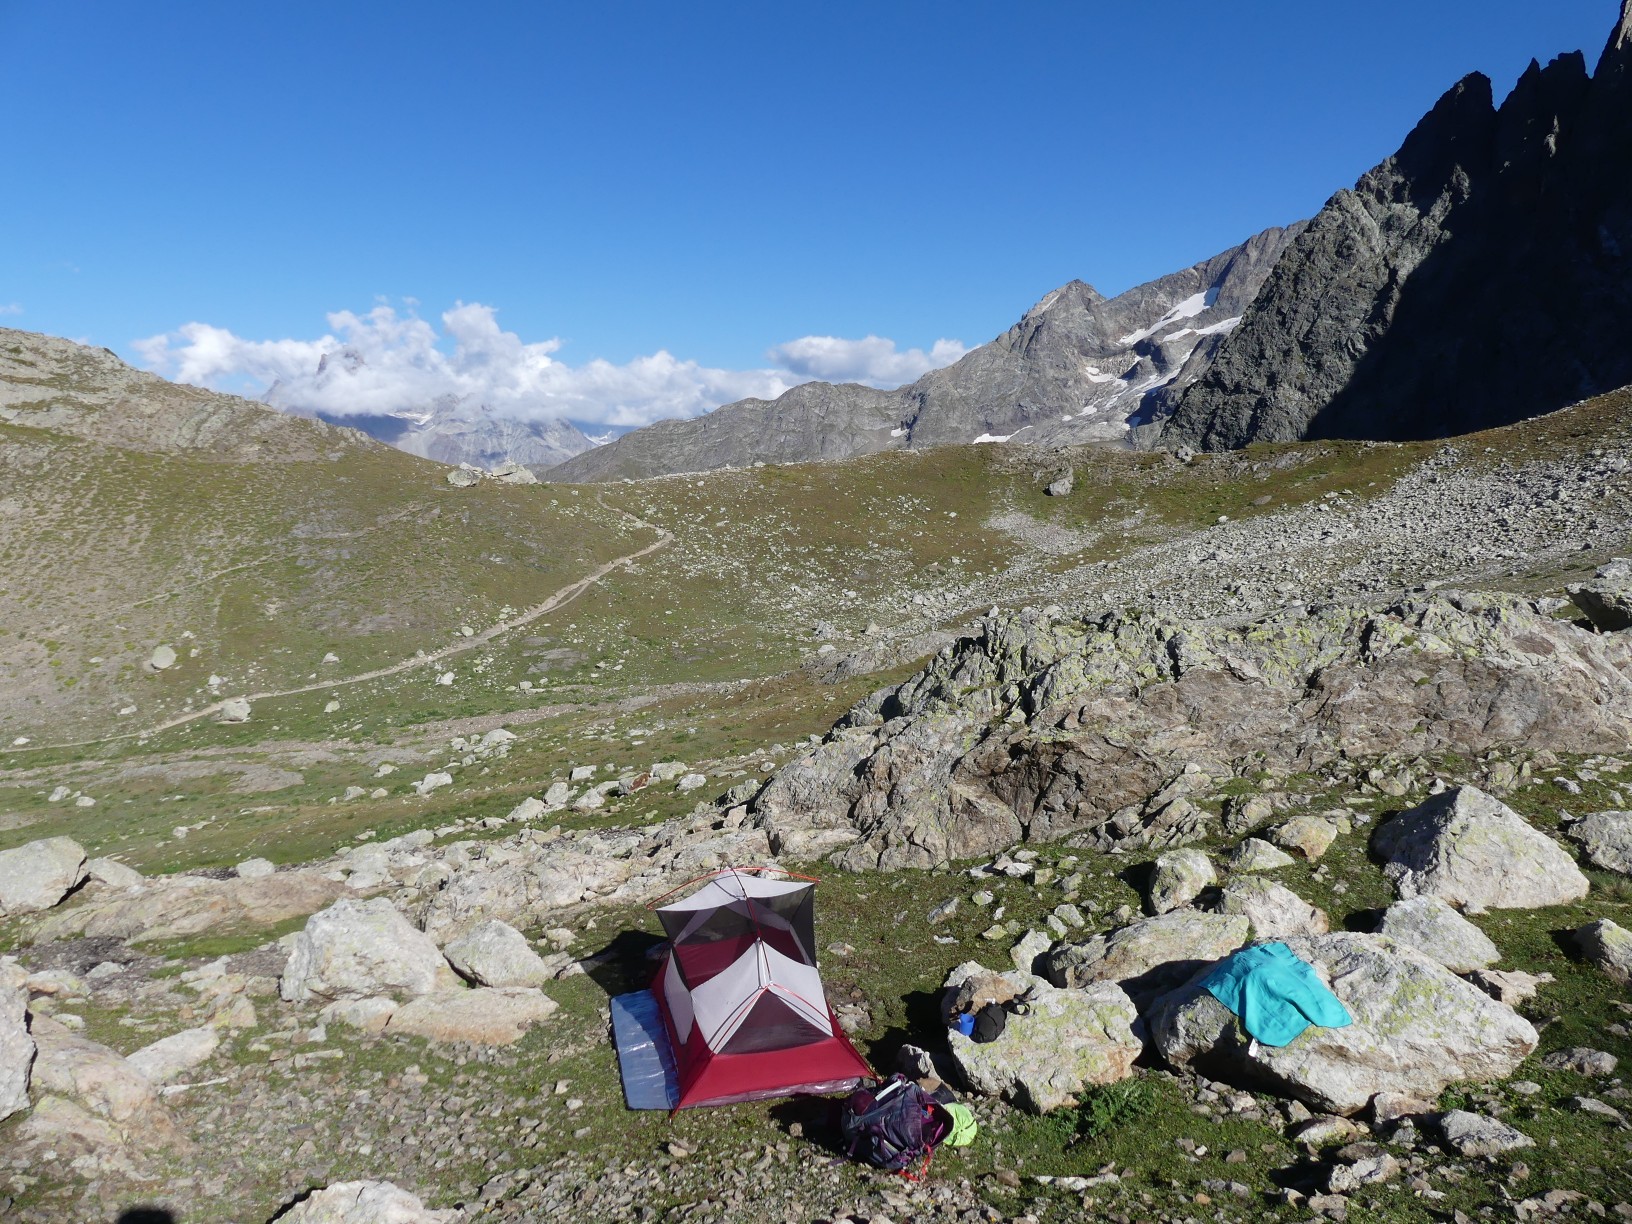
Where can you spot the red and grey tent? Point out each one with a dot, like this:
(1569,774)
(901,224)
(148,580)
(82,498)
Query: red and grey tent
(737,1002)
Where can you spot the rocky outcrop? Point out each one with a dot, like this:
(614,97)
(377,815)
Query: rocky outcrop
(358,948)
(365,1202)
(1100,364)
(174,907)
(1416,1028)
(165,1059)
(1435,929)
(39,875)
(1607,599)
(1148,957)
(98,1079)
(16,1045)
(1114,731)
(482,1017)
(1065,1041)
(494,953)
(1472,279)
(1606,839)
(1476,853)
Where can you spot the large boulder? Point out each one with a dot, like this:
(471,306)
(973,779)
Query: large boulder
(16,1045)
(1475,852)
(1435,929)
(1177,879)
(494,953)
(1416,1028)
(37,876)
(1607,597)
(1606,839)
(163,1060)
(176,907)
(98,1079)
(1609,946)
(1066,1041)
(483,1017)
(365,1202)
(358,948)
(1149,956)
(1274,911)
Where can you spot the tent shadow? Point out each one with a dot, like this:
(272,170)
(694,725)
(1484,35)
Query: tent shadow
(146,1215)
(817,1119)
(923,1027)
(626,963)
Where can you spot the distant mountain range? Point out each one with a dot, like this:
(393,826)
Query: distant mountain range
(1078,367)
(448,429)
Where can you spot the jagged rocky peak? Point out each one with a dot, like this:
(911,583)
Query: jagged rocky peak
(1473,279)
(1077,367)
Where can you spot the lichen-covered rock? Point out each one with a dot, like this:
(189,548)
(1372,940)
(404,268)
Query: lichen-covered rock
(1307,836)
(1066,1041)
(1416,1028)
(358,948)
(1256,854)
(1434,928)
(1274,912)
(1606,839)
(1476,853)
(494,953)
(497,1016)
(1111,731)
(1178,878)
(16,1045)
(37,876)
(1476,1135)
(366,1202)
(1149,956)
(1609,946)
(1607,598)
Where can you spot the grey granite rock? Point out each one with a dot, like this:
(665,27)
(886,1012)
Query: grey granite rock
(1474,851)
(1432,927)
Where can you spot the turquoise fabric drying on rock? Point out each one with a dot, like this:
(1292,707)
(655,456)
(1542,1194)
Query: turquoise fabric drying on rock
(1276,994)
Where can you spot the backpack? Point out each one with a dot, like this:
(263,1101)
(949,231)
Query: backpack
(891,1124)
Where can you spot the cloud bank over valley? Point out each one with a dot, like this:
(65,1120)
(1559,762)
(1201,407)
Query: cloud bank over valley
(392,361)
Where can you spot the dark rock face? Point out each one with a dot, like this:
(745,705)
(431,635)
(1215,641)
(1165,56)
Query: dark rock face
(1077,367)
(1479,276)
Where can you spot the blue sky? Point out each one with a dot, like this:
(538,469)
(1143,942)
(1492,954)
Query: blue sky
(709,181)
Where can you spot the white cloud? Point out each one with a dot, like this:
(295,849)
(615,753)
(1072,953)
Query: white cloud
(872,360)
(11,308)
(385,361)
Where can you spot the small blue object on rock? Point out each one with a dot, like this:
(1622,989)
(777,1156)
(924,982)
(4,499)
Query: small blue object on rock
(1276,994)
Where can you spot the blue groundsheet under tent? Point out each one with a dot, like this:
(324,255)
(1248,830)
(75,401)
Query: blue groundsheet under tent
(645,1056)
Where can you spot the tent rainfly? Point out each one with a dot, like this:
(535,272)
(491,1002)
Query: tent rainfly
(740,1002)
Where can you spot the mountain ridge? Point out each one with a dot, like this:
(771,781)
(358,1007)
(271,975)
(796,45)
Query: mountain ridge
(1076,367)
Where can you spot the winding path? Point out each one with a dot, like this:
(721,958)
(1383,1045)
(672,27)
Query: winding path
(561,597)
